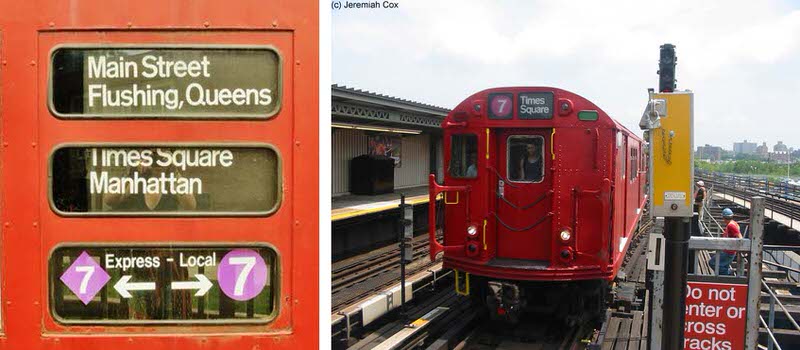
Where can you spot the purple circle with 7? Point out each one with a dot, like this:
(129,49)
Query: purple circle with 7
(242,274)
(501,105)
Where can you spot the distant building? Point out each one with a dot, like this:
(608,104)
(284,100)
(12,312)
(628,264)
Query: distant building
(744,147)
(781,153)
(709,152)
(727,154)
(780,147)
(763,151)
(779,157)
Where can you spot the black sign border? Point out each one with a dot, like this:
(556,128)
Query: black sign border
(552,104)
(275,296)
(186,116)
(275,208)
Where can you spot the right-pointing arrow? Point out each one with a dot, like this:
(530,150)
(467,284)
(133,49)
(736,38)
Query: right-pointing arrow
(123,287)
(203,285)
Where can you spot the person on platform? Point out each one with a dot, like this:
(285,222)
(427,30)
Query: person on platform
(699,197)
(726,256)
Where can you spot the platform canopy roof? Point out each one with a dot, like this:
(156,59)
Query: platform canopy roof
(353,106)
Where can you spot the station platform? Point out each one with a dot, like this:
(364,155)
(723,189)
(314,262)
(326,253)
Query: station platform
(349,206)
(362,223)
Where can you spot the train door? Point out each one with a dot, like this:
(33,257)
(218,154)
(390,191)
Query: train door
(523,194)
(619,236)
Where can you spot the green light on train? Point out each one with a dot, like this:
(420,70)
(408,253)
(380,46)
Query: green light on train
(587,115)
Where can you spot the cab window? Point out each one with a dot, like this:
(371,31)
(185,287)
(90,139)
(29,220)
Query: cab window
(525,158)
(463,156)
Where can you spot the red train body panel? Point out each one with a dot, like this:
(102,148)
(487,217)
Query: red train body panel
(540,185)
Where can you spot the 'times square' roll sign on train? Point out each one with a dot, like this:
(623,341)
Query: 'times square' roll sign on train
(541,188)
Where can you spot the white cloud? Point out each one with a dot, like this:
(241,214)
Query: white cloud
(740,57)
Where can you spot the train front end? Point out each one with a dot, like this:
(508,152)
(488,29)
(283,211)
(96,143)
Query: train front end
(525,197)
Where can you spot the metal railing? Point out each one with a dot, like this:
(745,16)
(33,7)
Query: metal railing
(781,198)
(761,183)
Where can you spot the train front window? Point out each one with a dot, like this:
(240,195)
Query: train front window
(525,158)
(463,156)
(173,179)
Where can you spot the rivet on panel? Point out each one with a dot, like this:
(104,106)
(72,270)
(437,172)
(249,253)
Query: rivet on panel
(297,222)
(36,303)
(206,24)
(5,62)
(275,23)
(297,62)
(297,143)
(33,144)
(297,301)
(7,224)
(35,224)
(51,24)
(5,144)
(130,24)
(33,63)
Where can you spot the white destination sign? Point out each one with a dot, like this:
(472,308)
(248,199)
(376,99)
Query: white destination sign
(165,178)
(166,82)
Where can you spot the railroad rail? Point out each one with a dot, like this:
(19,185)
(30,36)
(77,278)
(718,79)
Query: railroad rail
(441,320)
(428,319)
(360,276)
(625,323)
(366,288)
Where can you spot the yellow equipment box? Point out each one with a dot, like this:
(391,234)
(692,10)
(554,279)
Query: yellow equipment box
(671,153)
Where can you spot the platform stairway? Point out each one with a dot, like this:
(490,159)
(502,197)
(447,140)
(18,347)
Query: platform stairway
(780,294)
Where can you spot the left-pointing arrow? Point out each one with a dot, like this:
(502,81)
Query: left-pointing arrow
(123,287)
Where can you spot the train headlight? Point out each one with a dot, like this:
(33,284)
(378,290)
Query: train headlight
(472,231)
(565,235)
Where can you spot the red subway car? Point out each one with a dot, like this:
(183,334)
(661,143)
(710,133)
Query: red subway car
(542,190)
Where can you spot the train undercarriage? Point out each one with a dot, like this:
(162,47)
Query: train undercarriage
(571,302)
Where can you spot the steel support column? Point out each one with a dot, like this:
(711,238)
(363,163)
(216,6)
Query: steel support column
(676,233)
(754,271)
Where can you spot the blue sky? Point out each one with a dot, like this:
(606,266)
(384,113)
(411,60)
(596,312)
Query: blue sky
(741,58)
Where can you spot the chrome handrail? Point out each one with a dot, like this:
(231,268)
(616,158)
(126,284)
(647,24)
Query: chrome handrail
(783,308)
(769,332)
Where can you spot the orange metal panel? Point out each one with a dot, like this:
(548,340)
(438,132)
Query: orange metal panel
(29,133)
